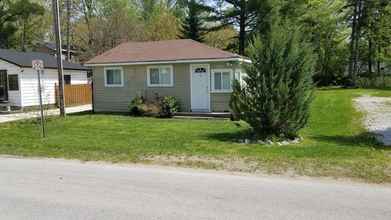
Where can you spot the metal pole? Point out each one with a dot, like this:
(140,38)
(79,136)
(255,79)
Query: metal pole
(56,15)
(41,104)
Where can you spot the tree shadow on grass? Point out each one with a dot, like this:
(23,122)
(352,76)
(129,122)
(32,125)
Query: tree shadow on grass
(237,136)
(81,113)
(365,139)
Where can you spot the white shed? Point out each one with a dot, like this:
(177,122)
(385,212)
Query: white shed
(19,82)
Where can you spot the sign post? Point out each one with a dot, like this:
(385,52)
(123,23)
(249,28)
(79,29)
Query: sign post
(38,66)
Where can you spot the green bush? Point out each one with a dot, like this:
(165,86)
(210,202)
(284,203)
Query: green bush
(276,95)
(379,82)
(168,106)
(136,106)
(160,106)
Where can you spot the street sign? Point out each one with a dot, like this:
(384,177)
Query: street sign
(37,64)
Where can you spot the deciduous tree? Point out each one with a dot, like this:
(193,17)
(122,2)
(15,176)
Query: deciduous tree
(28,15)
(7,24)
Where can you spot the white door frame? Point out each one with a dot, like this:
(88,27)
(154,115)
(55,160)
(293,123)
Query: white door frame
(191,66)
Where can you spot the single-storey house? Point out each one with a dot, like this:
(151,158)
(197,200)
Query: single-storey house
(199,76)
(19,81)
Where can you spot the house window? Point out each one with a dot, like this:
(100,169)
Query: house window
(160,76)
(114,77)
(67,79)
(13,82)
(222,80)
(237,75)
(240,76)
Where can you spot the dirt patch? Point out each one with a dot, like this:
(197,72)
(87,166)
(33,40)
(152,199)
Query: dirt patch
(232,164)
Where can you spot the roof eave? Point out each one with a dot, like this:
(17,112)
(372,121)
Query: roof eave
(239,59)
(10,61)
(54,68)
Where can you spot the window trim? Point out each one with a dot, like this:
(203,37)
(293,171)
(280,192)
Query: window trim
(171,67)
(242,76)
(213,80)
(122,76)
(8,83)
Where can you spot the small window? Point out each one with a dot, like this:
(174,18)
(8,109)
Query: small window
(13,82)
(200,70)
(237,75)
(114,77)
(240,76)
(67,79)
(160,76)
(222,80)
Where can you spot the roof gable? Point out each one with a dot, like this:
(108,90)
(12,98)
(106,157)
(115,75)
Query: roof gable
(158,51)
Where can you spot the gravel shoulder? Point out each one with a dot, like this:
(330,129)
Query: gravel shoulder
(377,116)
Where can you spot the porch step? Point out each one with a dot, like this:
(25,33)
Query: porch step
(203,115)
(5,107)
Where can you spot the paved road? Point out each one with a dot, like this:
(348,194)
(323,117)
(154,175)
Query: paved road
(58,189)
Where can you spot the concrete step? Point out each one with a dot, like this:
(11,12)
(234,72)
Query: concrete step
(203,114)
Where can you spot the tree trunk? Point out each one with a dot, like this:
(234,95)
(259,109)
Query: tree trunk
(87,10)
(353,49)
(23,46)
(358,33)
(378,60)
(370,49)
(242,28)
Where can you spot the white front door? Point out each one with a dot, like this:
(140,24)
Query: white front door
(200,99)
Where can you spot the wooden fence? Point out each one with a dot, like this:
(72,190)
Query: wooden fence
(76,94)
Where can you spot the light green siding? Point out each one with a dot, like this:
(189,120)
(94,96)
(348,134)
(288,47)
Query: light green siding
(220,102)
(116,99)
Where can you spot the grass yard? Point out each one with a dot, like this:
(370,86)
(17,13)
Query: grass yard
(335,143)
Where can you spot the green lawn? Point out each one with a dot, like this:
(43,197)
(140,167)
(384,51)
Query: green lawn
(335,143)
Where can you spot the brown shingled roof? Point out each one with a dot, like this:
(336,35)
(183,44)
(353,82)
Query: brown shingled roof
(157,51)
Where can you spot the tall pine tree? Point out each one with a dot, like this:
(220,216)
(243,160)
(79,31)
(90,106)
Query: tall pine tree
(276,94)
(248,16)
(193,24)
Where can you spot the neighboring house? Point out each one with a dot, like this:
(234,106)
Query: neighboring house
(19,82)
(199,76)
(50,48)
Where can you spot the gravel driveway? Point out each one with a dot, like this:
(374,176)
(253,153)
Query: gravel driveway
(36,114)
(378,116)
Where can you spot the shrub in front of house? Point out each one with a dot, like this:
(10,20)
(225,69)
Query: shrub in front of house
(164,106)
(168,106)
(135,106)
(276,94)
